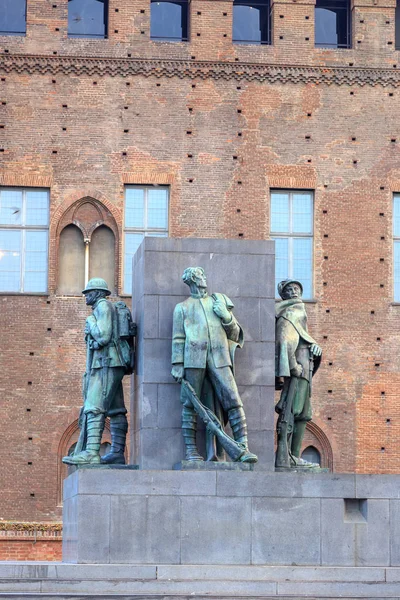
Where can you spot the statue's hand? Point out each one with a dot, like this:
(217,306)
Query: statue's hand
(316,350)
(221,311)
(177,372)
(297,371)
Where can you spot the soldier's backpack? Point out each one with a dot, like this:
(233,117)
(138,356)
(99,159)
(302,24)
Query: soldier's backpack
(126,332)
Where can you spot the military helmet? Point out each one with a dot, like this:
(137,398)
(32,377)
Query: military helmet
(96,283)
(285,282)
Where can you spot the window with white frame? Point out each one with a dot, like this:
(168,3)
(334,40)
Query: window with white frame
(146,213)
(292,230)
(396,246)
(24,224)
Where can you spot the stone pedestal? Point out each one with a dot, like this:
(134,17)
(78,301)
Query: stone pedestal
(244,271)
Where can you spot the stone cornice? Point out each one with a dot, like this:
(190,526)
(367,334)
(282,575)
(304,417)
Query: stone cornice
(127,67)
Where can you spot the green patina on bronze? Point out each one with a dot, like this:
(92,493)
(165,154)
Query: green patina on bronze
(109,356)
(205,337)
(297,358)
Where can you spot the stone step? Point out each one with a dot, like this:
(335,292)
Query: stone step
(61,580)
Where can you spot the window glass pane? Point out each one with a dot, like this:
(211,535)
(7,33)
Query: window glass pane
(396,271)
(134,207)
(132,243)
(332,23)
(281,261)
(157,209)
(246,24)
(37,208)
(279,212)
(302,213)
(326,27)
(397,26)
(302,264)
(10,260)
(13,16)
(86,18)
(311,454)
(35,274)
(11,207)
(396,215)
(168,20)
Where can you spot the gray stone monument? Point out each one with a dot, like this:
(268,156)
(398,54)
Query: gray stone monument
(244,271)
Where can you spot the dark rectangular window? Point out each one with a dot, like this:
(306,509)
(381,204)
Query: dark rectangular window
(13,17)
(251,22)
(87,18)
(397,25)
(169,21)
(332,24)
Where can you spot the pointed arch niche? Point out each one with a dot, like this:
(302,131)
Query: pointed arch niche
(88,247)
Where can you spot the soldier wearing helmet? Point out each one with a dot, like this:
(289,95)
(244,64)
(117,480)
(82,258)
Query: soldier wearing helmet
(297,358)
(102,387)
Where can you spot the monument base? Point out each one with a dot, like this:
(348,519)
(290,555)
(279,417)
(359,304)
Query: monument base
(204,465)
(225,517)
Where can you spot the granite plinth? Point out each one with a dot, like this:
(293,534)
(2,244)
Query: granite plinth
(73,468)
(198,465)
(191,517)
(233,267)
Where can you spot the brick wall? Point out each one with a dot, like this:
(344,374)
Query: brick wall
(30,541)
(221,135)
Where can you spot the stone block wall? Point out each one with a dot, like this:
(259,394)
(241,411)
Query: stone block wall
(244,271)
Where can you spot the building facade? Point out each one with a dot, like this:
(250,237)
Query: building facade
(121,119)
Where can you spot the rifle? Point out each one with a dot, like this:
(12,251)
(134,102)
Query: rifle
(310,374)
(234,449)
(81,443)
(282,459)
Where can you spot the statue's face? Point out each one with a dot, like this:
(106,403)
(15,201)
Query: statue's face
(292,290)
(200,279)
(91,297)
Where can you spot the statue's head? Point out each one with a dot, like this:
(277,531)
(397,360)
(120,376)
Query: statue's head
(290,288)
(96,288)
(196,276)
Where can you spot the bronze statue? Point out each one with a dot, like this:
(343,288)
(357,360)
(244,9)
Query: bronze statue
(205,337)
(109,335)
(297,358)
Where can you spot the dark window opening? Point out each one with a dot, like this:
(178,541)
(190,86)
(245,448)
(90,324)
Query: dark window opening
(87,18)
(13,17)
(332,24)
(169,21)
(251,22)
(397,26)
(311,454)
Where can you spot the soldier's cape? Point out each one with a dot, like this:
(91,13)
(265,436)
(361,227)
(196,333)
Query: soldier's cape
(291,328)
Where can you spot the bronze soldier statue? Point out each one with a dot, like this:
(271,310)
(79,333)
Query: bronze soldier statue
(109,342)
(205,336)
(297,358)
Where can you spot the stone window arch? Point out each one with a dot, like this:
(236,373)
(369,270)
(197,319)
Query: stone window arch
(87,247)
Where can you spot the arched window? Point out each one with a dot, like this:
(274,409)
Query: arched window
(251,22)
(169,20)
(87,18)
(71,280)
(333,24)
(311,454)
(101,255)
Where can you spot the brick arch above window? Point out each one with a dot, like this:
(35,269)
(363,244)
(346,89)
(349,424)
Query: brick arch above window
(315,436)
(88,212)
(68,438)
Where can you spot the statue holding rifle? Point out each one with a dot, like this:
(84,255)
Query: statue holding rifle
(297,358)
(109,335)
(205,337)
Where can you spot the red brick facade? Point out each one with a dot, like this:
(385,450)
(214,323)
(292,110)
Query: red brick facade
(221,124)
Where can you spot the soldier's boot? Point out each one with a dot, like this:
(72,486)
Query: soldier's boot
(189,428)
(94,429)
(237,421)
(119,429)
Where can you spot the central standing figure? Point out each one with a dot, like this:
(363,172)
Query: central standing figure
(205,337)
